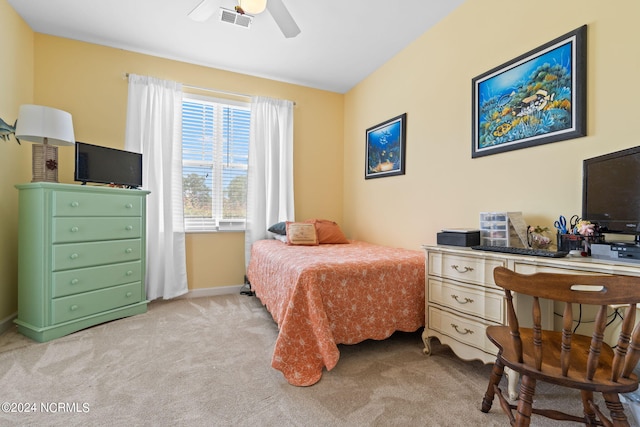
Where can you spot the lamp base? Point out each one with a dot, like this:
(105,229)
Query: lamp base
(44,166)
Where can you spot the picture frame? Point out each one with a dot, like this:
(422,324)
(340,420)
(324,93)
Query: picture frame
(386,148)
(536,98)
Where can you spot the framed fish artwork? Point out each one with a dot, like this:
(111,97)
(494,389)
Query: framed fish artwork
(385,148)
(536,98)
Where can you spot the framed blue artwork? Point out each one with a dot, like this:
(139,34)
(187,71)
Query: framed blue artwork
(534,99)
(385,148)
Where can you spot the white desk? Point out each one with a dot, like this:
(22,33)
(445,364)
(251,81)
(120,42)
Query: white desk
(461,298)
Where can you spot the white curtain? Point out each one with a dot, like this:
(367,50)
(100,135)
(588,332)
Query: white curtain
(270,180)
(154,128)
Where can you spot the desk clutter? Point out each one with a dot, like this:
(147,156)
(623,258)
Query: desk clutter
(508,232)
(459,237)
(496,229)
(503,229)
(577,234)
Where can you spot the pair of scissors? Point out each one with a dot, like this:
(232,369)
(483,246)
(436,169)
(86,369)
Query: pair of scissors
(573,223)
(561,224)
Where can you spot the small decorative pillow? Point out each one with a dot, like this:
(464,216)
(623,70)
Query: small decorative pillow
(279,228)
(301,233)
(328,231)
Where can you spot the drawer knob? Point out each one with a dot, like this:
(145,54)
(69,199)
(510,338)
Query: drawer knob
(73,307)
(457,298)
(128,250)
(75,204)
(74,281)
(129,227)
(74,229)
(465,332)
(128,294)
(129,273)
(74,256)
(461,270)
(128,206)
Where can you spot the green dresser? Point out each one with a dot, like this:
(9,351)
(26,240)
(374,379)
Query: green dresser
(81,257)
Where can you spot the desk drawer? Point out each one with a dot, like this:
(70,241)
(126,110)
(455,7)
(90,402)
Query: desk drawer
(466,331)
(72,203)
(467,300)
(95,228)
(473,270)
(77,255)
(89,279)
(81,305)
(530,269)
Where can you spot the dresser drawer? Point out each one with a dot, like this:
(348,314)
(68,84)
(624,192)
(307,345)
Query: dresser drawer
(467,300)
(77,255)
(478,271)
(89,279)
(466,331)
(72,203)
(95,228)
(81,305)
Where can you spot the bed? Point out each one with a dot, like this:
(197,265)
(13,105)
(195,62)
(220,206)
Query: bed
(329,294)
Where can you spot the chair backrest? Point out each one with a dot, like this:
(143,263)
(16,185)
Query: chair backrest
(598,290)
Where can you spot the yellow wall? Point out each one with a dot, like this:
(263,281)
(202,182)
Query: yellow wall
(16,88)
(87,80)
(431,81)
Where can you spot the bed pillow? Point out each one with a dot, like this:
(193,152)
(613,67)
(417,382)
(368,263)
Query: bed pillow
(328,231)
(280,237)
(279,228)
(301,233)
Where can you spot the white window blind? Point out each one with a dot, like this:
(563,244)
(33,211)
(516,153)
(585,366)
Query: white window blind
(215,153)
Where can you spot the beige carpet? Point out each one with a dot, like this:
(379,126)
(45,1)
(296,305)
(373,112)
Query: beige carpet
(206,361)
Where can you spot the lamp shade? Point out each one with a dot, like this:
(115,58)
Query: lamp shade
(253,7)
(36,122)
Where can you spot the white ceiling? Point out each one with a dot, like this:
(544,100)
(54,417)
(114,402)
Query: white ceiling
(342,41)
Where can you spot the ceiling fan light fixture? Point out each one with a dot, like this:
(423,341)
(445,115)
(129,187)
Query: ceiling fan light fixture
(253,7)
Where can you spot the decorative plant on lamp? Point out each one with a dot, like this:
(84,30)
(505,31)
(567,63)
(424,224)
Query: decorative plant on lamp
(47,127)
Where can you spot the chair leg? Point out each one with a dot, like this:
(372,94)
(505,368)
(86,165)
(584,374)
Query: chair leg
(525,402)
(589,413)
(612,400)
(494,380)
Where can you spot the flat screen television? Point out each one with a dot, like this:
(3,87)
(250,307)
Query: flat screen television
(611,191)
(105,165)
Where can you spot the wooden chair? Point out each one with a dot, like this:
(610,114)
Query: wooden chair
(565,358)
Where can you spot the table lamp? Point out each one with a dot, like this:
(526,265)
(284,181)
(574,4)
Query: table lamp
(47,127)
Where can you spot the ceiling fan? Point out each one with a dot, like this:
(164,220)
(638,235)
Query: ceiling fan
(206,8)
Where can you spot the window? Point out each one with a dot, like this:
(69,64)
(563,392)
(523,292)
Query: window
(215,153)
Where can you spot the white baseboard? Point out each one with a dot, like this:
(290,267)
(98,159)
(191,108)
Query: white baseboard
(7,323)
(211,292)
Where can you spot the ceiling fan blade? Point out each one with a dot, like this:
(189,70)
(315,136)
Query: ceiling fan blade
(204,10)
(283,18)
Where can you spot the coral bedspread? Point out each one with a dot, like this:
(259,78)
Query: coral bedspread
(325,295)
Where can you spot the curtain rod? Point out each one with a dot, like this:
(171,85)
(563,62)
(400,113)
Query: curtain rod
(206,89)
(224,92)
